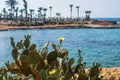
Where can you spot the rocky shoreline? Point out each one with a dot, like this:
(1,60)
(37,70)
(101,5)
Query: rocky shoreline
(60,26)
(110,73)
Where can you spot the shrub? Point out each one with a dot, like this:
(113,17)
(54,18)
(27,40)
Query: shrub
(30,24)
(21,24)
(37,24)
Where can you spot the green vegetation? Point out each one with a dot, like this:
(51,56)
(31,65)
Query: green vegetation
(12,4)
(12,16)
(88,15)
(29,63)
(25,8)
(77,7)
(71,6)
(50,11)
(30,17)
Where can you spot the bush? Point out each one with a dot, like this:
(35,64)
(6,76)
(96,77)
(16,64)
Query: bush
(11,24)
(21,24)
(30,24)
(37,24)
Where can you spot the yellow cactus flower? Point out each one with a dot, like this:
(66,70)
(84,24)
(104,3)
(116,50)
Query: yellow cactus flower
(52,72)
(61,39)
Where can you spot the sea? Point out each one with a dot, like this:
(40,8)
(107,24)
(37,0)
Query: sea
(108,19)
(97,45)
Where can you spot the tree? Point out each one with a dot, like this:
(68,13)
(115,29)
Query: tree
(40,12)
(4,13)
(58,15)
(25,8)
(21,14)
(44,9)
(31,13)
(77,7)
(0,16)
(9,14)
(11,4)
(16,11)
(88,14)
(50,11)
(71,6)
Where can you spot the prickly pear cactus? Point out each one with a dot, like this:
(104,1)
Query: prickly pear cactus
(27,41)
(45,65)
(15,53)
(44,52)
(54,47)
(12,42)
(19,45)
(32,47)
(26,60)
(95,71)
(62,53)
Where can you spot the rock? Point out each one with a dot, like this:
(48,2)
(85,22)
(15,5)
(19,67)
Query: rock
(108,73)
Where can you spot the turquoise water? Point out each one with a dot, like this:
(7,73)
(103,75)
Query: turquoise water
(101,45)
(108,19)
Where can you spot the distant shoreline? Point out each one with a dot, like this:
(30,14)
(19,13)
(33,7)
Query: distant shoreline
(60,26)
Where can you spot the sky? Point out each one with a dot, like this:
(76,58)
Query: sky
(99,8)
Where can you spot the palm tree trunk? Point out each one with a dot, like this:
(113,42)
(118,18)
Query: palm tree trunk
(50,13)
(16,16)
(11,16)
(31,17)
(44,16)
(78,12)
(26,16)
(71,13)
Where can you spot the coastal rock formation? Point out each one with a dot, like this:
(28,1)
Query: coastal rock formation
(110,74)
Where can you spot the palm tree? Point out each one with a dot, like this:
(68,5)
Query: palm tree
(88,14)
(58,15)
(21,14)
(11,4)
(31,13)
(25,8)
(44,9)
(77,7)
(28,16)
(0,16)
(40,12)
(71,6)
(9,14)
(16,11)
(4,13)
(50,11)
